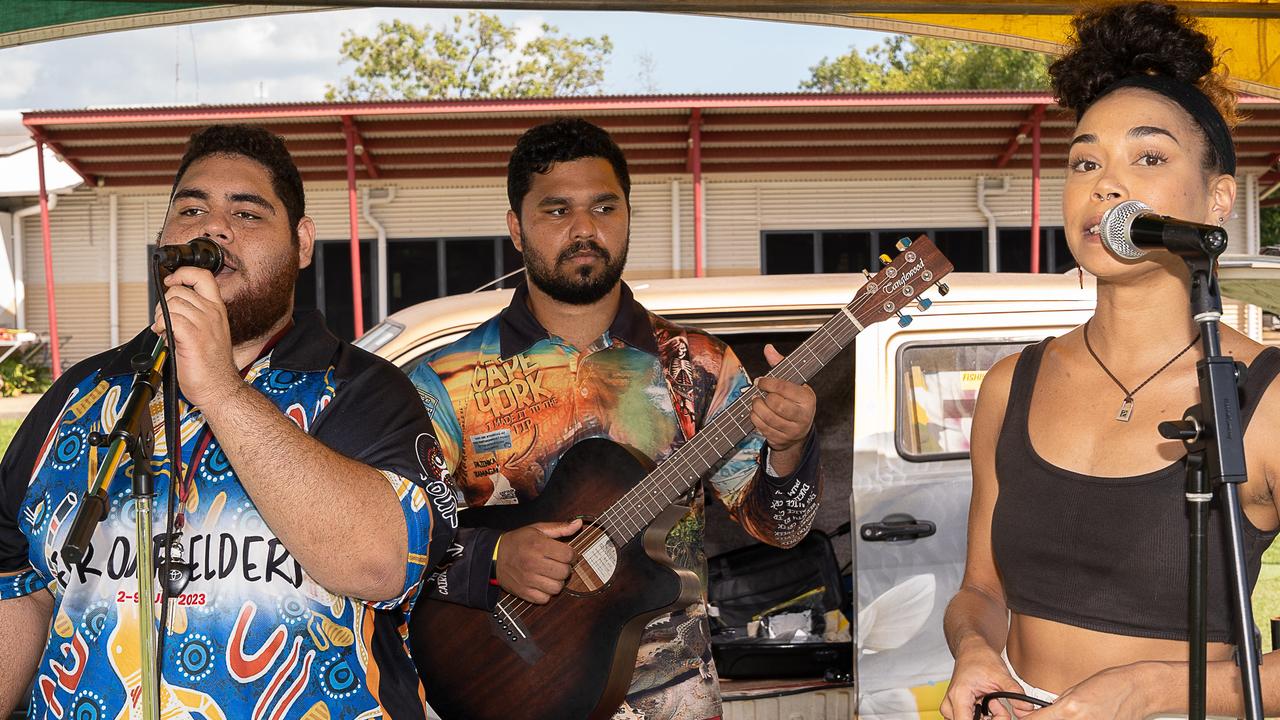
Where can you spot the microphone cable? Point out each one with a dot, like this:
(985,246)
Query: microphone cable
(173,444)
(982,708)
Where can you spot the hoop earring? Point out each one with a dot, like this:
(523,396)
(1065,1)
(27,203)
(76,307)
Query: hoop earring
(1080,274)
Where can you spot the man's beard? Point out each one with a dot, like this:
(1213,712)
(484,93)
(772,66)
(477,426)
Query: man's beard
(578,287)
(256,310)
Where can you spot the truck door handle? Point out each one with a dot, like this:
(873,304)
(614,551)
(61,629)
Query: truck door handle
(898,527)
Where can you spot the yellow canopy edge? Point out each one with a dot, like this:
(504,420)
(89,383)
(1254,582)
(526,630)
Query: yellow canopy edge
(1247,31)
(1249,46)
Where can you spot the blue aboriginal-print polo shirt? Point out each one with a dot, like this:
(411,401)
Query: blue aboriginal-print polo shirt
(251,635)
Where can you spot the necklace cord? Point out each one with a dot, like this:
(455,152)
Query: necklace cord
(1128,394)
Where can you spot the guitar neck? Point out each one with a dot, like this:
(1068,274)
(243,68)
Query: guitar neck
(898,284)
(675,476)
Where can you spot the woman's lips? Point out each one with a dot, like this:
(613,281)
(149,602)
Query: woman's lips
(1093,228)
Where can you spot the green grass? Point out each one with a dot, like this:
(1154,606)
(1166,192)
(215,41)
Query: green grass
(8,428)
(1266,595)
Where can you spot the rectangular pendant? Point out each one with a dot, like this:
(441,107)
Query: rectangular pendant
(1126,410)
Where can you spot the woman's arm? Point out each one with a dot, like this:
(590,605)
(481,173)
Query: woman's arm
(976,622)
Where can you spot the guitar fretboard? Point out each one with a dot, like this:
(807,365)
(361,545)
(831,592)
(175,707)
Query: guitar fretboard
(681,471)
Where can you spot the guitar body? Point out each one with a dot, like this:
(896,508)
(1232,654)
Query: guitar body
(574,657)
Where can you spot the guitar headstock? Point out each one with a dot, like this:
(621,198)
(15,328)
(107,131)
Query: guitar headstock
(901,283)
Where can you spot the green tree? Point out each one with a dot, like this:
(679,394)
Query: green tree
(476,56)
(1270,217)
(923,63)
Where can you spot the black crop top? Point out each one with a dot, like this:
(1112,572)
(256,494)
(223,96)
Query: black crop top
(1108,554)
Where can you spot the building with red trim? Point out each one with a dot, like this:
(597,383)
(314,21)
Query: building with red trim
(409,197)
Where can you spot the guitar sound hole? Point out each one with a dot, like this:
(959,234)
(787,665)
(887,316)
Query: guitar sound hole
(596,563)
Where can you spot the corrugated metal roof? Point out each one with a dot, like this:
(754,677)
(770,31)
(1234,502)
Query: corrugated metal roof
(978,130)
(681,99)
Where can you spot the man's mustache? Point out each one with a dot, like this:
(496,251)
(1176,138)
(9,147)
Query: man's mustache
(583,246)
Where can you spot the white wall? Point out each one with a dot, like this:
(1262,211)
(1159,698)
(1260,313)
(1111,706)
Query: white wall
(738,209)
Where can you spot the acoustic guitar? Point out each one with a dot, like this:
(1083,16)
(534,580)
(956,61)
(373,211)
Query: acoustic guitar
(574,657)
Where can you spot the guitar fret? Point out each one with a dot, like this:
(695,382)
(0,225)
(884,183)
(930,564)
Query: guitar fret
(669,492)
(684,467)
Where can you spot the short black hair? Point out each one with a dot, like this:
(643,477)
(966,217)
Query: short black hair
(259,145)
(561,141)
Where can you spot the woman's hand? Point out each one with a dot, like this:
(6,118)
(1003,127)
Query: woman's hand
(1126,692)
(977,672)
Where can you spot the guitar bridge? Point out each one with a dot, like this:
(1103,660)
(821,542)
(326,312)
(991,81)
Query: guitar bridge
(511,632)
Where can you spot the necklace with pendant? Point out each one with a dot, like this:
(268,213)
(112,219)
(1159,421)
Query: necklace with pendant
(1126,407)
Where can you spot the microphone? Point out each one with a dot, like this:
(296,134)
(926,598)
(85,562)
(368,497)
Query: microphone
(200,252)
(1130,230)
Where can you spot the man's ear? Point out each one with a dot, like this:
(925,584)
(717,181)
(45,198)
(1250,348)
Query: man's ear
(513,227)
(306,241)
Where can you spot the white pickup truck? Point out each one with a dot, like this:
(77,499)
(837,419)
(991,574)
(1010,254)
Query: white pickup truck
(894,417)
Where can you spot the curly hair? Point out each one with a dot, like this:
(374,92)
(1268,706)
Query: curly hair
(1111,42)
(259,145)
(559,141)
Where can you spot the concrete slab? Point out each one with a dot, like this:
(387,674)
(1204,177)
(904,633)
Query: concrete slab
(15,408)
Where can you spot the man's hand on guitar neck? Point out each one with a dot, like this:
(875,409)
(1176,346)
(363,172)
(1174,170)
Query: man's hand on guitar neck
(784,416)
(532,563)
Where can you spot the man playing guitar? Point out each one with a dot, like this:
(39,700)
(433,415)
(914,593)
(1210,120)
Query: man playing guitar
(573,357)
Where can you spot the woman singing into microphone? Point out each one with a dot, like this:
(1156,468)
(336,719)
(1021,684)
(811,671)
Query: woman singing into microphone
(1075,584)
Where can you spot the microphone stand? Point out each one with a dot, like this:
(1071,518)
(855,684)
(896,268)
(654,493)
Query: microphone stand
(1213,434)
(131,434)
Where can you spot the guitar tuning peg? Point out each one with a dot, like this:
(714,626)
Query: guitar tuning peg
(884,258)
(866,274)
(943,289)
(924,304)
(903,320)
(903,244)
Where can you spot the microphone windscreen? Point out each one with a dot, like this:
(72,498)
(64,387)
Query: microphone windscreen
(206,254)
(200,252)
(1115,226)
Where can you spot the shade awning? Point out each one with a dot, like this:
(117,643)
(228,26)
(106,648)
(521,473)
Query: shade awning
(1247,34)
(1248,29)
(23,22)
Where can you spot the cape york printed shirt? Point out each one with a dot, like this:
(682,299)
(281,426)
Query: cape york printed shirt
(508,400)
(252,636)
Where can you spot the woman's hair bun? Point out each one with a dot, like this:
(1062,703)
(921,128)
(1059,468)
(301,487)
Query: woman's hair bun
(1115,41)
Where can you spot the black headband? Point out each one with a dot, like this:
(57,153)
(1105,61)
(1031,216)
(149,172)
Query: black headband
(1196,103)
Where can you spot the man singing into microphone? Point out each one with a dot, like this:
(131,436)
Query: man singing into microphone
(305,514)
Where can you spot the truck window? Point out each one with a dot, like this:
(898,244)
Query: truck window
(937,391)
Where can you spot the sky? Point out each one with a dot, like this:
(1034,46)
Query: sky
(288,58)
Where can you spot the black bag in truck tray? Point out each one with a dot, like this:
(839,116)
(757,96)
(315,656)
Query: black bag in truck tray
(772,607)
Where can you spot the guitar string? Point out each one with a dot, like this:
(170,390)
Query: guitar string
(672,470)
(735,416)
(595,532)
(520,607)
(798,362)
(662,487)
(838,343)
(626,504)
